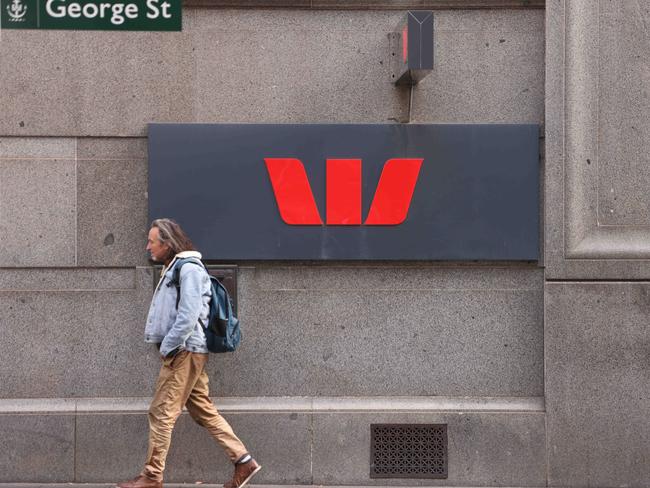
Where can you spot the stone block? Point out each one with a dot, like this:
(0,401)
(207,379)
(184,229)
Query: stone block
(37,448)
(112,212)
(298,66)
(37,148)
(109,148)
(70,279)
(110,448)
(466,332)
(488,68)
(57,92)
(596,127)
(37,406)
(113,447)
(445,332)
(74,343)
(624,115)
(280,442)
(301,66)
(597,384)
(386,277)
(553,167)
(495,449)
(37,212)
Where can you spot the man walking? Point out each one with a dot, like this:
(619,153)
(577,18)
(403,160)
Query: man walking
(173,325)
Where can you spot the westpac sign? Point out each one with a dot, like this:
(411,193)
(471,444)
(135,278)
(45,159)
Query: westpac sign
(349,192)
(343,189)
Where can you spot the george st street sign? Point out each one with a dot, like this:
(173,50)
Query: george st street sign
(127,15)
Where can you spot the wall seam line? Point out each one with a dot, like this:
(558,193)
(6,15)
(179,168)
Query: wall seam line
(74,447)
(76,201)
(311,446)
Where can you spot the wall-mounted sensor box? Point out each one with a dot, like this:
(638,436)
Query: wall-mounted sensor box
(411,48)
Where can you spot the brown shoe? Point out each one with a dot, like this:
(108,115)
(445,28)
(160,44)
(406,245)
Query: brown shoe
(140,481)
(243,474)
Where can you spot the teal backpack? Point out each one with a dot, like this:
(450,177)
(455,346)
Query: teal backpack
(222,331)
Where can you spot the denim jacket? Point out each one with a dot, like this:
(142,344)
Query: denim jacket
(180,329)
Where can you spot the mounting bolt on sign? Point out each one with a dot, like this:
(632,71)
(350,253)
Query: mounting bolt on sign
(411,48)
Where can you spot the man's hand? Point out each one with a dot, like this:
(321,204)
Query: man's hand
(172,353)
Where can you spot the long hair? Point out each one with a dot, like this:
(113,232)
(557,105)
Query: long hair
(170,233)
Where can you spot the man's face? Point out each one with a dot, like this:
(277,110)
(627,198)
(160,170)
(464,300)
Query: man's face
(157,249)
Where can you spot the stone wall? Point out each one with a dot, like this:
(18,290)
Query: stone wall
(329,347)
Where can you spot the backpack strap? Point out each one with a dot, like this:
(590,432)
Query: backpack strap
(176,276)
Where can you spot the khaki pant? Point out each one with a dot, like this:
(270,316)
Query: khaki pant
(183,381)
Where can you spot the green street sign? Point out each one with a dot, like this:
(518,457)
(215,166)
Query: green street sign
(127,15)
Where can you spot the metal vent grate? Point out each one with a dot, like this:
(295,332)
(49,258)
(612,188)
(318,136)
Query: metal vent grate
(408,451)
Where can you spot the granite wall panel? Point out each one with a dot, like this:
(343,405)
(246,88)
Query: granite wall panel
(298,66)
(343,331)
(598,384)
(358,330)
(112,212)
(483,449)
(37,448)
(112,448)
(89,83)
(37,212)
(78,342)
(486,69)
(596,136)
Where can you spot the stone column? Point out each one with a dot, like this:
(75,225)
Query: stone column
(597,238)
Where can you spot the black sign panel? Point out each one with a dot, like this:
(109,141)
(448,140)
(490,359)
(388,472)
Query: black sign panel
(349,192)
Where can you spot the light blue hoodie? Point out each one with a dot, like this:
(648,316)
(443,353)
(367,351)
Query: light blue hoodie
(180,328)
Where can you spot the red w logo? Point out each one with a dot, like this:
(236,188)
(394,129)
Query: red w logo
(390,204)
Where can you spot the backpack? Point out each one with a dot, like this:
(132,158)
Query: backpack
(222,331)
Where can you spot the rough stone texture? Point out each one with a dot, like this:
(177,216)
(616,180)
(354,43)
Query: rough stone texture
(267,82)
(109,148)
(280,442)
(597,109)
(71,279)
(85,83)
(281,404)
(37,448)
(204,75)
(37,212)
(383,277)
(624,114)
(112,209)
(597,384)
(487,69)
(483,449)
(38,148)
(387,331)
(119,441)
(553,147)
(89,342)
(457,332)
